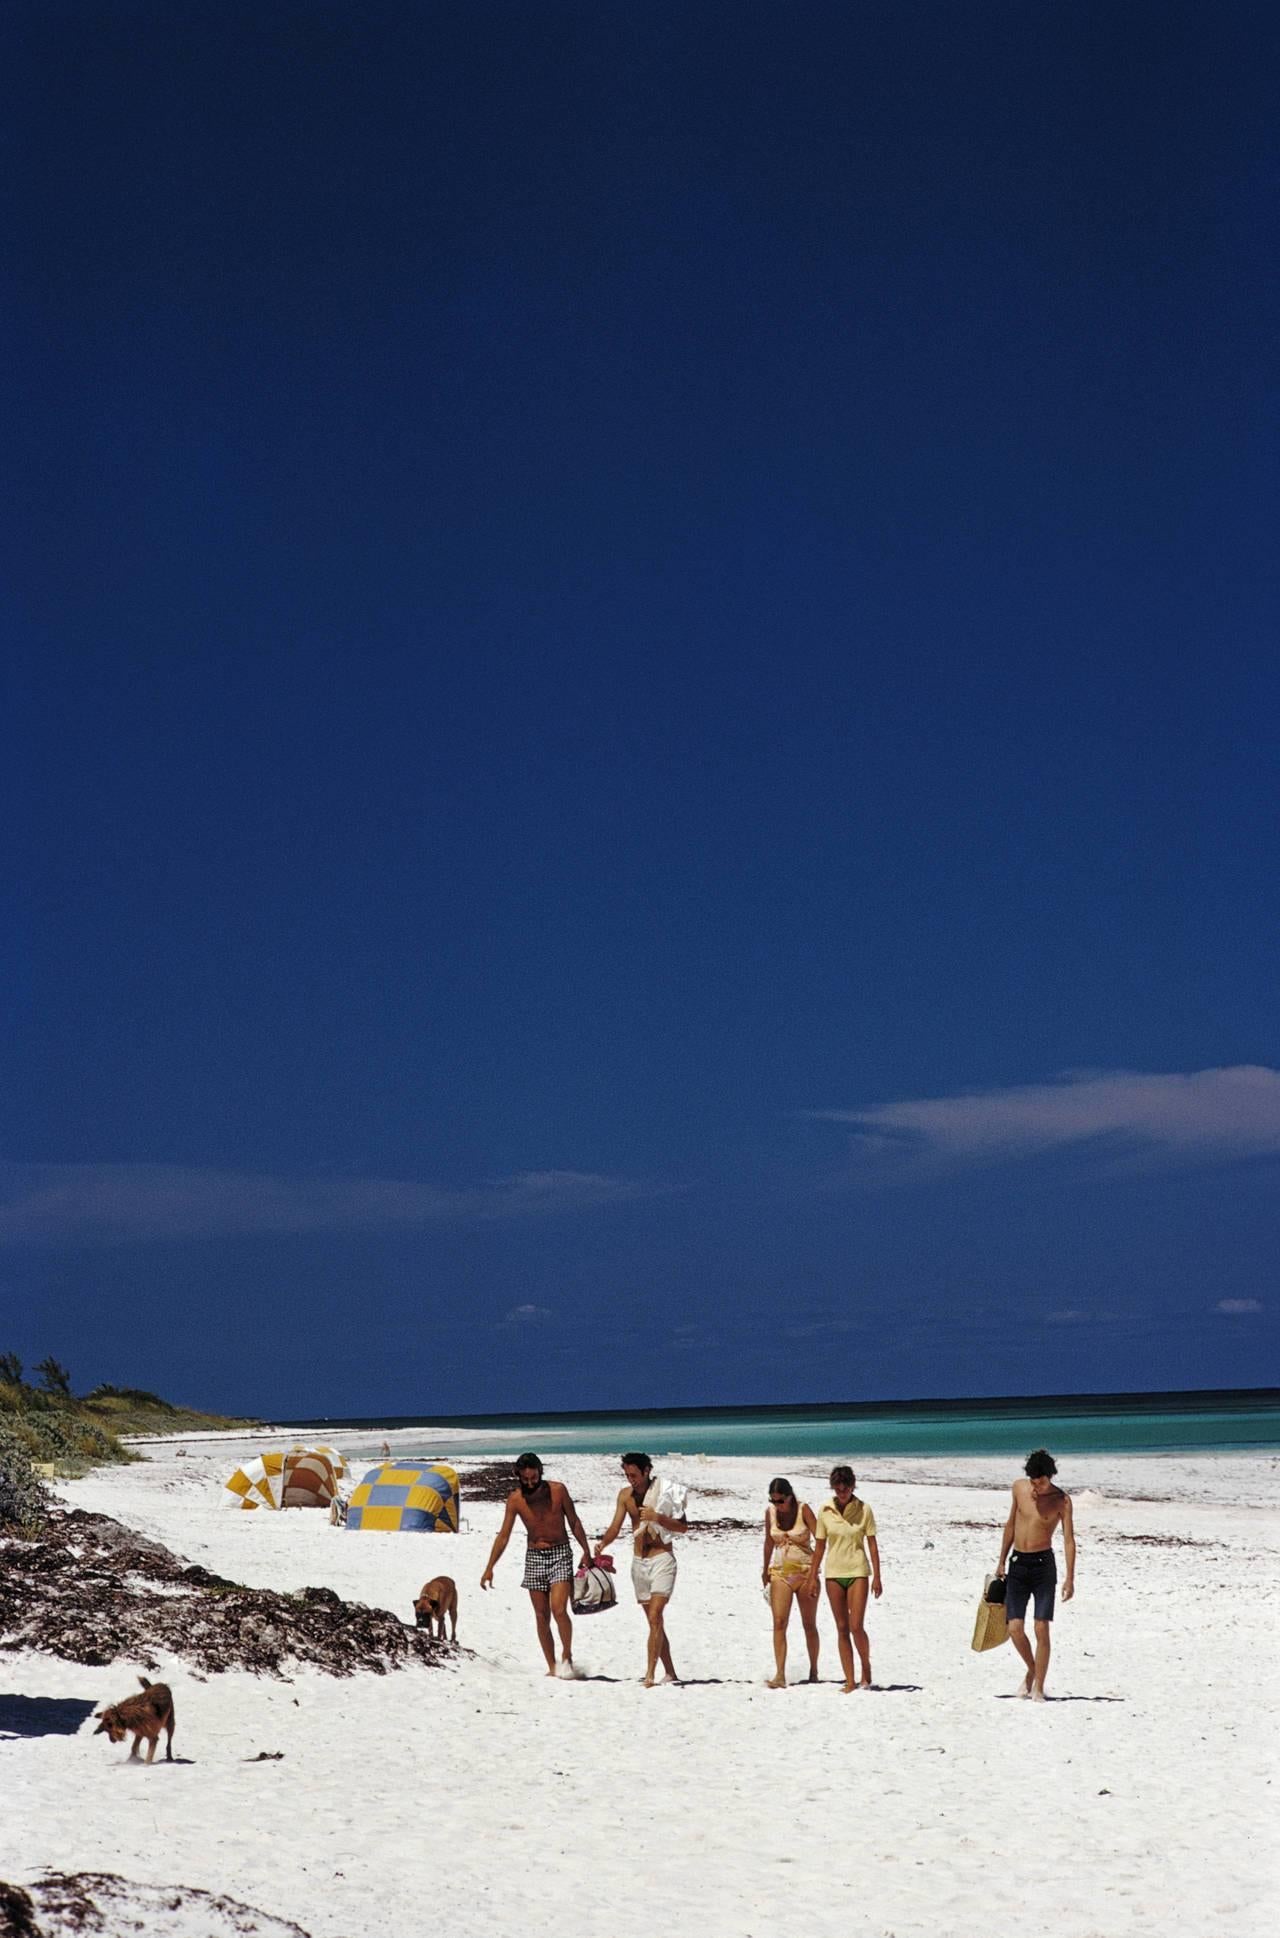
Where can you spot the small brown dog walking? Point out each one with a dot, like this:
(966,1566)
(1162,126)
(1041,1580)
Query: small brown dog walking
(439,1598)
(145,1715)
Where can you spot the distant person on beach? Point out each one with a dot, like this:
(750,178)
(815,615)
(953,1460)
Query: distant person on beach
(788,1557)
(847,1544)
(653,1563)
(386,1451)
(1037,1510)
(547,1510)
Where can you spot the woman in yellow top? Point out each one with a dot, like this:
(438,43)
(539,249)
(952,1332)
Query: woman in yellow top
(846,1531)
(788,1552)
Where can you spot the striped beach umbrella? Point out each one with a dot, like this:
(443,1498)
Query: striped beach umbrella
(287,1477)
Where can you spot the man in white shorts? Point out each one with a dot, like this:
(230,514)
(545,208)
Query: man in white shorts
(653,1565)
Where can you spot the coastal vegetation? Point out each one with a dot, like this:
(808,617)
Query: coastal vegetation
(86,1588)
(46,1430)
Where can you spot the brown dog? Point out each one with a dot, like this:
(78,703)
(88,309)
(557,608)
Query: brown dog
(439,1598)
(145,1715)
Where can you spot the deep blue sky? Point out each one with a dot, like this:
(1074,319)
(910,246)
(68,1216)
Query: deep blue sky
(603,598)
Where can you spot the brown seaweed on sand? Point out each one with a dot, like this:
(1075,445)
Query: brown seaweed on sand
(98,1901)
(491,1483)
(89,1590)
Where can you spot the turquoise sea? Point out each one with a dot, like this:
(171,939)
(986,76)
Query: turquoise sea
(1246,1421)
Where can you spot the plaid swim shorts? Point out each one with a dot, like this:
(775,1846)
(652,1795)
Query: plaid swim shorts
(542,1566)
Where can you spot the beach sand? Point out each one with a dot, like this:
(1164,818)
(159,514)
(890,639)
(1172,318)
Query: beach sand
(481,1798)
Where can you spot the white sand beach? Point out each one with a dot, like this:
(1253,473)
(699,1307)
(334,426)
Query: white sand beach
(482,1799)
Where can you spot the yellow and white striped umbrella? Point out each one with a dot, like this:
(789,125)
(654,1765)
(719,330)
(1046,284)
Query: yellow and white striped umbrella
(288,1477)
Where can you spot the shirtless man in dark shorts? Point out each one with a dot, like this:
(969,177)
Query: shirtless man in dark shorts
(1037,1510)
(545,1506)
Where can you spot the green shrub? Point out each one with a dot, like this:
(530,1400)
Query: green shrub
(134,1395)
(24,1503)
(73,1435)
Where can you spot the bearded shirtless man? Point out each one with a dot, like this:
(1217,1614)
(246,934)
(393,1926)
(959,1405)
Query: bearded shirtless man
(1037,1510)
(544,1506)
(653,1565)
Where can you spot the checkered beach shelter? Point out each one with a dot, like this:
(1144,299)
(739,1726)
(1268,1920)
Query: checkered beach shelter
(287,1477)
(406,1500)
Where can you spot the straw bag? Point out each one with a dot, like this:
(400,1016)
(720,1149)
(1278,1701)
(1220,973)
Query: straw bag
(991,1628)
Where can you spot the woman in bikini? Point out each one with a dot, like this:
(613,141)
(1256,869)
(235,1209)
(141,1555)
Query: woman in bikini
(846,1532)
(788,1555)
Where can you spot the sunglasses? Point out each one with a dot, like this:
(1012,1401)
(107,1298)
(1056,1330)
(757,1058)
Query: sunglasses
(780,1500)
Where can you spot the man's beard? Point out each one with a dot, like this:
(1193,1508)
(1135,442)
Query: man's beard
(528,1491)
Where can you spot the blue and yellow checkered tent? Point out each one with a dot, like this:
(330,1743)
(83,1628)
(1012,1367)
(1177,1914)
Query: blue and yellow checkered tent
(406,1500)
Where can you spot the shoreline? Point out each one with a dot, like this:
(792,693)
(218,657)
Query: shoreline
(1105,1472)
(1255,1483)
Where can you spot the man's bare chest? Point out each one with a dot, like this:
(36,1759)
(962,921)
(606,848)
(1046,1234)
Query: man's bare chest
(543,1519)
(1042,1517)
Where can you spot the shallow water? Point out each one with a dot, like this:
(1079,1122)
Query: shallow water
(1084,1424)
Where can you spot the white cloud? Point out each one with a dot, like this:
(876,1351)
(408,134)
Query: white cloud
(92,1204)
(527,1315)
(813,1328)
(1230,1113)
(1238,1305)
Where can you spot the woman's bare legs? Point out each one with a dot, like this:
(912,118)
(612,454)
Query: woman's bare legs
(858,1591)
(781,1596)
(838,1598)
(809,1616)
